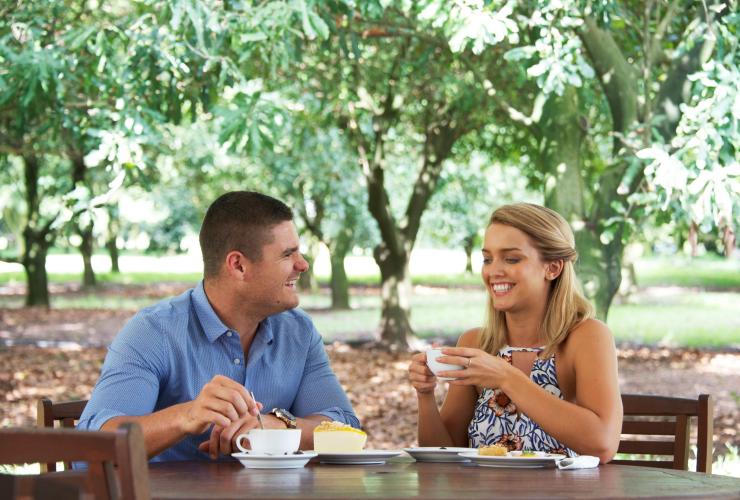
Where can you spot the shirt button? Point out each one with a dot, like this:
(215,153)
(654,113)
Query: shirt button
(237,361)
(228,334)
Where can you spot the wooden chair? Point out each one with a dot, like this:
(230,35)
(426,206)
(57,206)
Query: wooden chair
(664,421)
(116,461)
(65,413)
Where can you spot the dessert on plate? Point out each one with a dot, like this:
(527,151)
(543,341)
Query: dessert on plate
(336,437)
(494,450)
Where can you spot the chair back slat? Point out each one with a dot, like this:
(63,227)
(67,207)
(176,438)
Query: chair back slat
(705,431)
(661,416)
(681,453)
(647,447)
(649,428)
(65,413)
(643,404)
(70,445)
(131,465)
(102,485)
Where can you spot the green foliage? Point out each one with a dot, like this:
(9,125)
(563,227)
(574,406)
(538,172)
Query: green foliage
(466,196)
(698,173)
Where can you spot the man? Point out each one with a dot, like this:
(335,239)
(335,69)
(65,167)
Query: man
(191,363)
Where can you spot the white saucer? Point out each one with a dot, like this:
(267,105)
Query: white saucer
(439,453)
(515,459)
(252,460)
(366,457)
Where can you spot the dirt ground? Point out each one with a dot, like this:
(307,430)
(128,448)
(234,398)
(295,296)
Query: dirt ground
(58,353)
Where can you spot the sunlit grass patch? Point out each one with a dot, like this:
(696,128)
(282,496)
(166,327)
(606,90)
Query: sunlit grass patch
(689,319)
(705,272)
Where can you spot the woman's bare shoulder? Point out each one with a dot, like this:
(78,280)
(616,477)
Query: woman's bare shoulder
(590,333)
(469,338)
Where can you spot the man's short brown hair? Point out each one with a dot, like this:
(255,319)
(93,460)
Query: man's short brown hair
(239,220)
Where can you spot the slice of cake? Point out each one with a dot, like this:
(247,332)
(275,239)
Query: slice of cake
(495,450)
(336,437)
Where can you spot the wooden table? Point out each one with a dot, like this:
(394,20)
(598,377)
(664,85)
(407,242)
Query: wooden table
(404,478)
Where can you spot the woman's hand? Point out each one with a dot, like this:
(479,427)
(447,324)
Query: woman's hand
(480,368)
(420,375)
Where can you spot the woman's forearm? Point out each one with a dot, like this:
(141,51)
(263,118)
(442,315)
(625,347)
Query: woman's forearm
(431,427)
(579,428)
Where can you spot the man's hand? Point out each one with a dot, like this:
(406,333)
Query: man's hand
(223,439)
(221,402)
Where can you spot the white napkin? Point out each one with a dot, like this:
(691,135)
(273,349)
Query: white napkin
(580,462)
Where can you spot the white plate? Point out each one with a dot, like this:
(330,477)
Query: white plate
(439,453)
(366,457)
(252,460)
(515,459)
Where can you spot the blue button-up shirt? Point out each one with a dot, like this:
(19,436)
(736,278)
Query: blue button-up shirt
(166,353)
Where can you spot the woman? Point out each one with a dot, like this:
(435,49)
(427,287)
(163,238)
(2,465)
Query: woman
(541,374)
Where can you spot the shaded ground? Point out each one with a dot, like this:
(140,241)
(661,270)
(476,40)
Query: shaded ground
(73,340)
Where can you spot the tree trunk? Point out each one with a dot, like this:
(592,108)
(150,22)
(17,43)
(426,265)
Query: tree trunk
(468,244)
(694,239)
(34,263)
(599,268)
(443,126)
(307,281)
(339,282)
(561,161)
(728,240)
(84,221)
(395,325)
(110,244)
(599,264)
(112,248)
(36,241)
(601,258)
(86,250)
(561,155)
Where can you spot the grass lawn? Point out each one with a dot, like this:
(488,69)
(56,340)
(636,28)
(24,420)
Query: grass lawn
(681,302)
(679,317)
(706,272)
(683,318)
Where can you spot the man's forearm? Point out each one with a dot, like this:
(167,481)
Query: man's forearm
(161,429)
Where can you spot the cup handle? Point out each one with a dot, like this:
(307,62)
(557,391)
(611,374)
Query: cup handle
(239,443)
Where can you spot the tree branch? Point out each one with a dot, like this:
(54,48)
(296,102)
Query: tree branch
(656,53)
(373,168)
(378,203)
(674,91)
(312,224)
(615,74)
(437,147)
(10,259)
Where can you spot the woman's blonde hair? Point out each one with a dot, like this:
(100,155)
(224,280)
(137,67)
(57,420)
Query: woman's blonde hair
(566,305)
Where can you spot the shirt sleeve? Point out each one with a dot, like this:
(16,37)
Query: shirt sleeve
(320,392)
(130,377)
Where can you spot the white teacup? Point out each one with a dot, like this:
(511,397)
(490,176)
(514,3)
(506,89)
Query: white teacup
(436,366)
(272,441)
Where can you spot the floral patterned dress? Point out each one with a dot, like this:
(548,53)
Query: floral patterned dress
(496,420)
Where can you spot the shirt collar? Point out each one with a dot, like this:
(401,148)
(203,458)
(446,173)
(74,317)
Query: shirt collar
(212,325)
